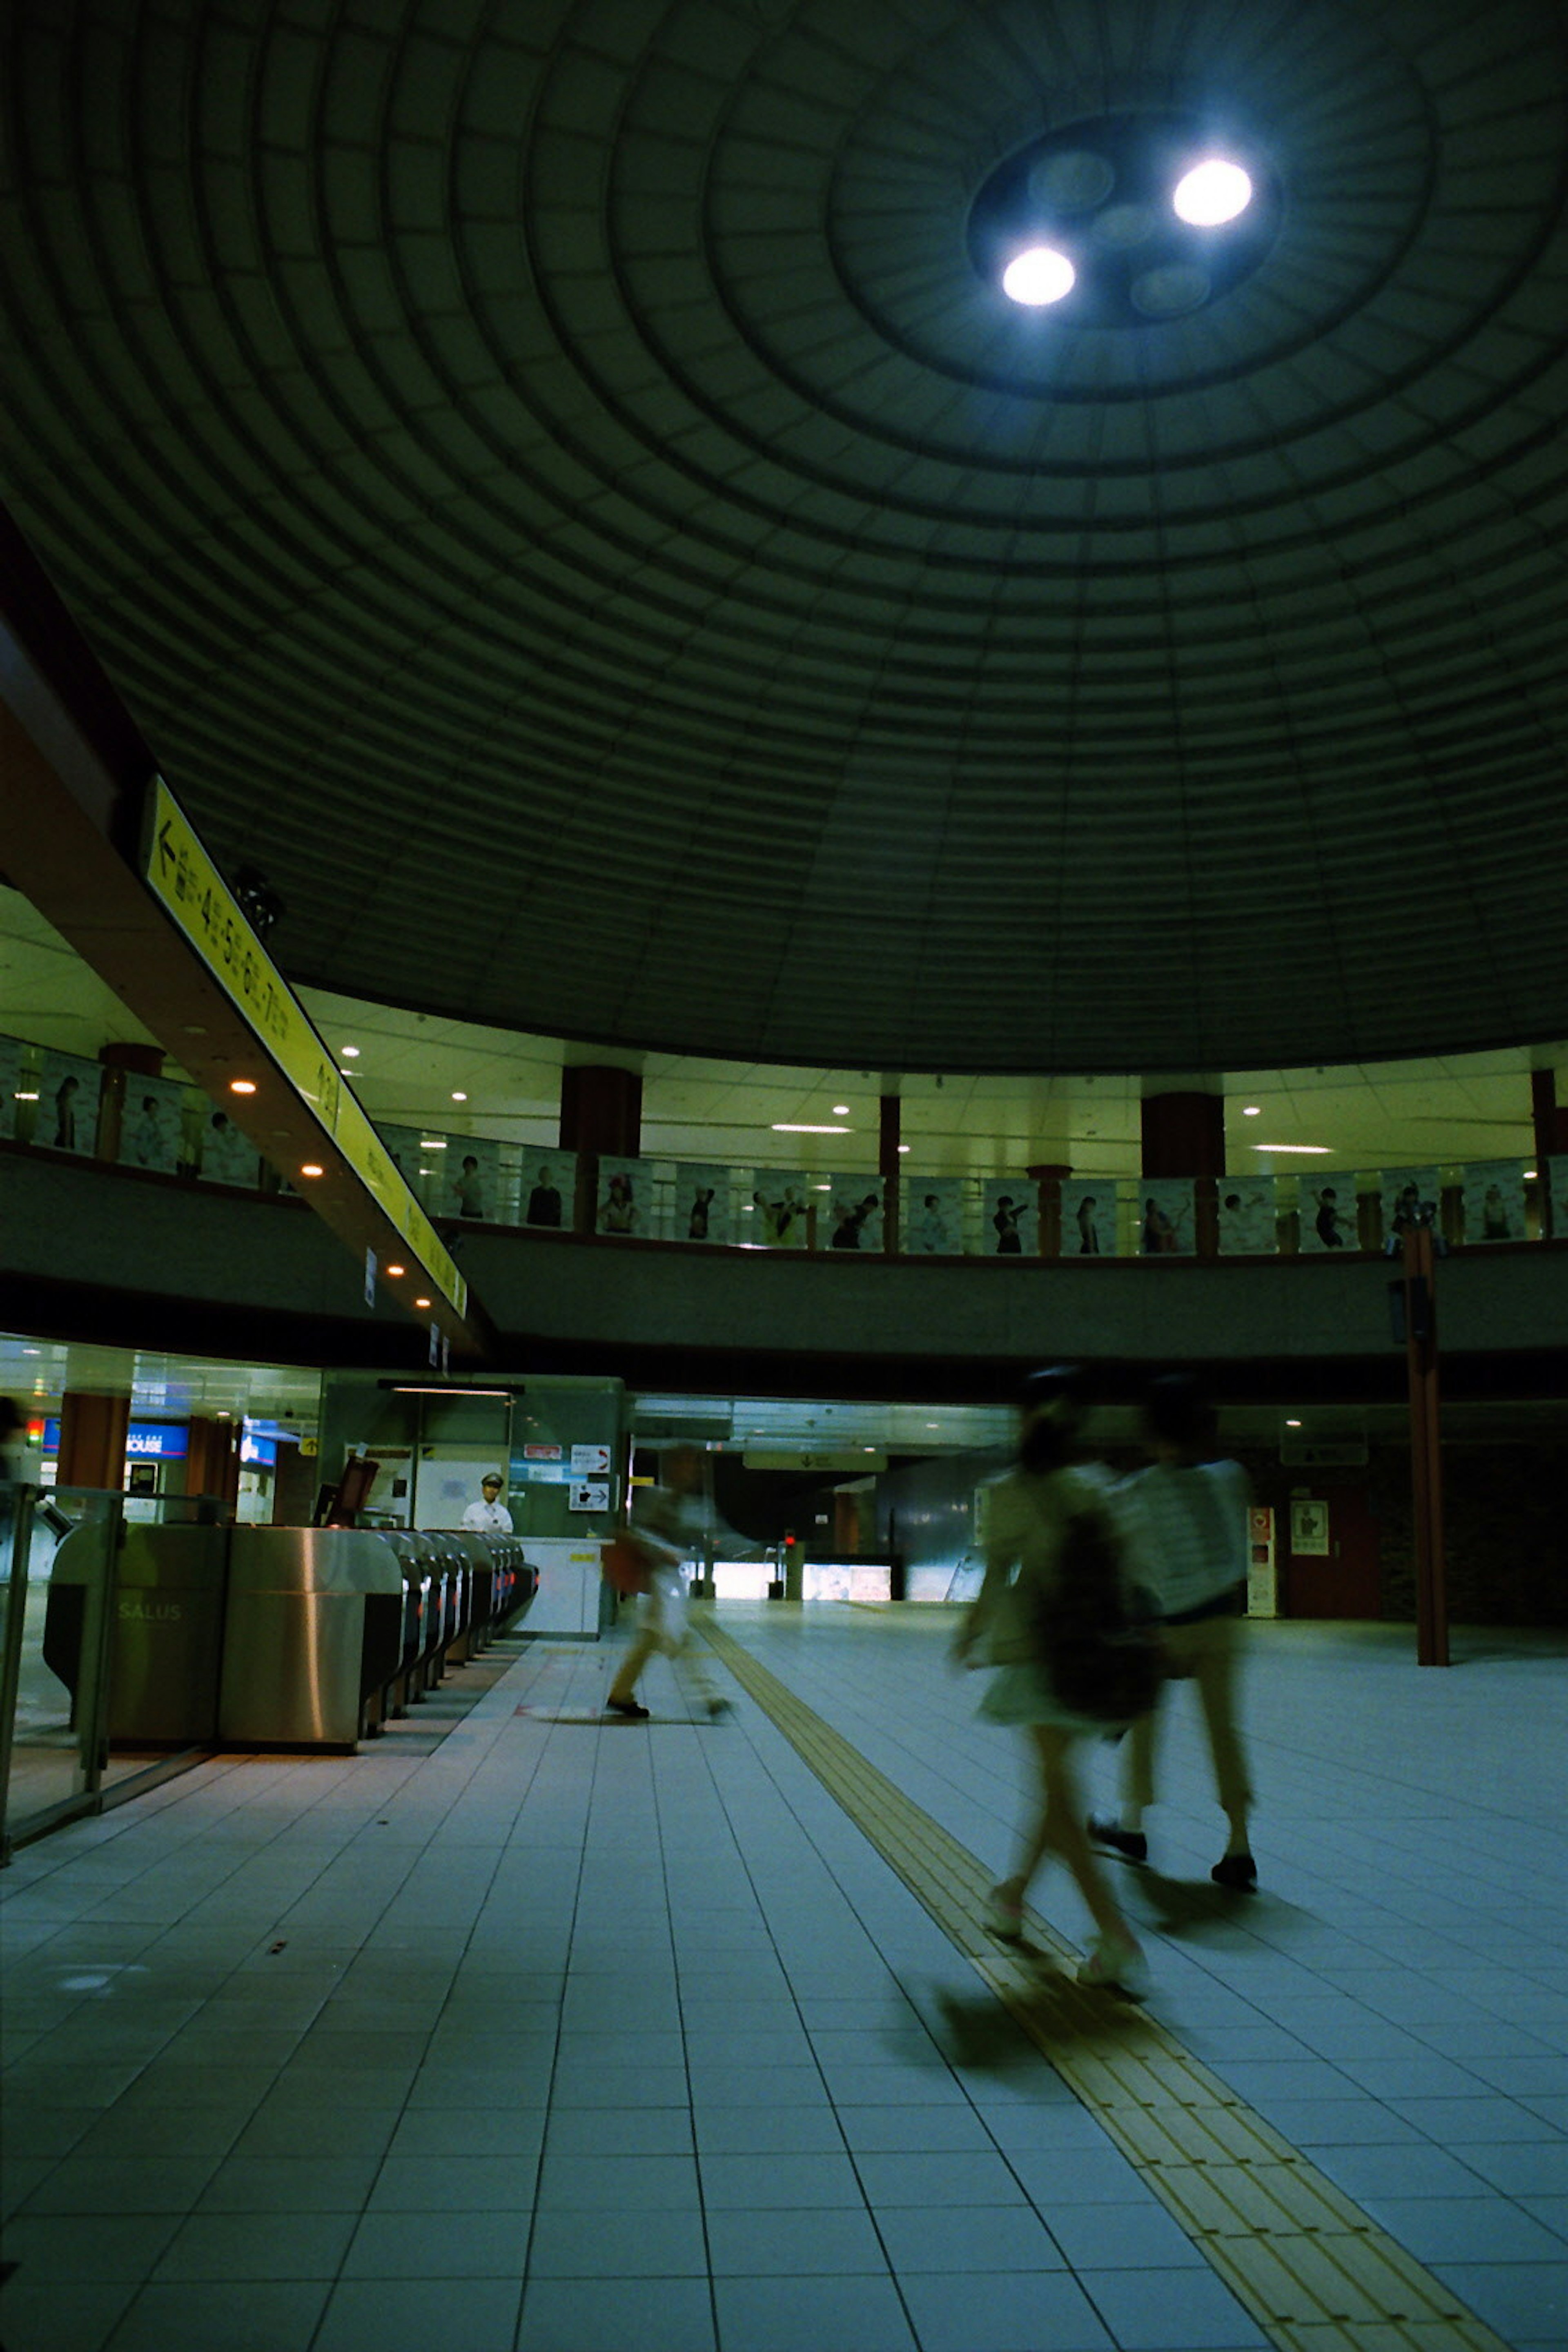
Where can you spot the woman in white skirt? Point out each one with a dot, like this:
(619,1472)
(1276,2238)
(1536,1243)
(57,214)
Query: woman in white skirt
(1029,1513)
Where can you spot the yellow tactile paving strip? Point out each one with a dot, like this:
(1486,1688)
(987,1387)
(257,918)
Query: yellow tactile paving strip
(1314,2270)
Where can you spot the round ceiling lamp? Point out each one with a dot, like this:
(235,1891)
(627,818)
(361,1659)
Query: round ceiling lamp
(1213,192)
(1111,223)
(1038,276)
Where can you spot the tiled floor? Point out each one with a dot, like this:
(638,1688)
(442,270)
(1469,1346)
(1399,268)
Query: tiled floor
(568,2037)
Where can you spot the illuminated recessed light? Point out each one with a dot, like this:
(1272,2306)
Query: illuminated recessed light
(422,1302)
(1253,1110)
(26,1095)
(394,1269)
(1212,193)
(1529,1176)
(312,1168)
(841,1110)
(432,1143)
(1038,276)
(242,1086)
(1317,1149)
(789,1127)
(1292,1424)
(456,1097)
(349,1053)
(903,1146)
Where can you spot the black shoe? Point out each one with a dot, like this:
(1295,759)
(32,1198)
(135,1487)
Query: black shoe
(716,1707)
(1132,1843)
(1237,1870)
(626,1707)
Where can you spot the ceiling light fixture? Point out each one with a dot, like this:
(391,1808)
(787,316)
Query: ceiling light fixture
(242,1086)
(312,1168)
(456,1097)
(1212,193)
(1318,1150)
(1038,276)
(1253,1110)
(789,1127)
(422,1302)
(841,1110)
(394,1270)
(349,1053)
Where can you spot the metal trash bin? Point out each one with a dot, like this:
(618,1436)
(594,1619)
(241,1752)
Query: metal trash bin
(315,1627)
(166,1638)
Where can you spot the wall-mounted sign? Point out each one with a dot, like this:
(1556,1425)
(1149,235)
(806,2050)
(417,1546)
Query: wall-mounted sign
(859,1457)
(145,1441)
(588,1495)
(591,1461)
(193,892)
(541,1453)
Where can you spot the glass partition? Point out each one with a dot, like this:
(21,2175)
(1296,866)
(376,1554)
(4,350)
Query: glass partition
(107,1648)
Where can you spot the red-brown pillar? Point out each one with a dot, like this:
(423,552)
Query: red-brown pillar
(211,1460)
(890,1113)
(1183,1135)
(1048,1175)
(93,1440)
(601,1111)
(118,1062)
(1425,1448)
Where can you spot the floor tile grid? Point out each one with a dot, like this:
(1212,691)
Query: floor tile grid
(449,1812)
(308,1787)
(1299,2254)
(1235,1954)
(943,2310)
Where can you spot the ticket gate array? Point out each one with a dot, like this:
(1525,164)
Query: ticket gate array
(281,1637)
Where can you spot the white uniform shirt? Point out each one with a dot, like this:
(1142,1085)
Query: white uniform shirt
(488,1518)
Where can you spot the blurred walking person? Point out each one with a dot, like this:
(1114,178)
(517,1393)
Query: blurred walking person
(1185,1519)
(667,1523)
(1052,1564)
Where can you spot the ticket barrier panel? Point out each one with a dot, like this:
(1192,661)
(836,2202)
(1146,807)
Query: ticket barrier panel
(315,1629)
(167,1627)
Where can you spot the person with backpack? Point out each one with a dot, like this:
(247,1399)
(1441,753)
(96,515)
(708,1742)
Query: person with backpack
(1185,1518)
(1054,1618)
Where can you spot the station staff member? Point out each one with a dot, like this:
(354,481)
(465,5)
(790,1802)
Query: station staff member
(490,1517)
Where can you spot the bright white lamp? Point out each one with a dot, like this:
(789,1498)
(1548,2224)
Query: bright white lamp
(1038,275)
(1212,193)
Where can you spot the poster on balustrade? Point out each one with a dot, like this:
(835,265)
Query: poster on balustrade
(150,1121)
(226,1153)
(1557,1189)
(932,1216)
(775,1215)
(417,1166)
(1166,1216)
(68,1103)
(1089,1216)
(1326,1212)
(704,1205)
(623,1197)
(1411,1198)
(1010,1217)
(1249,1218)
(1494,1201)
(854,1219)
(10,1082)
(549,1188)
(474,1186)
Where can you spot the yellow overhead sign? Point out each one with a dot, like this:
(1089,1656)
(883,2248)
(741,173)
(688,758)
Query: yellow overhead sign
(188,884)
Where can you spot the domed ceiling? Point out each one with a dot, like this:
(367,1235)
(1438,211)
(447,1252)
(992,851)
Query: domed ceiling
(555,487)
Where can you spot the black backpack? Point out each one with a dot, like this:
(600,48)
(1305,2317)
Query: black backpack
(1100,1661)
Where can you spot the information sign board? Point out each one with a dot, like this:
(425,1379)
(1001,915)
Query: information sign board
(186,883)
